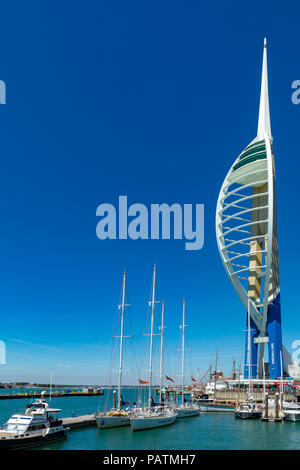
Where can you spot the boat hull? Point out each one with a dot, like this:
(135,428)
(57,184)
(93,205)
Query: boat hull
(141,423)
(290,416)
(214,407)
(104,422)
(23,442)
(248,415)
(186,413)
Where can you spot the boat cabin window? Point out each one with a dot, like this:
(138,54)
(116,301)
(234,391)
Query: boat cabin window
(14,427)
(36,405)
(36,427)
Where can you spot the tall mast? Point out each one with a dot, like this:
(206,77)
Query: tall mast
(264,124)
(121,340)
(215,378)
(151,335)
(51,382)
(161,348)
(233,372)
(183,344)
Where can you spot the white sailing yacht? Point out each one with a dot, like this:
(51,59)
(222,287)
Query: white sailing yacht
(116,416)
(152,416)
(186,409)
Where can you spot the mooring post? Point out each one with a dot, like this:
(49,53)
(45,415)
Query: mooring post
(276,405)
(266,411)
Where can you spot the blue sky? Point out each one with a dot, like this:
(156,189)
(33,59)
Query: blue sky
(153,100)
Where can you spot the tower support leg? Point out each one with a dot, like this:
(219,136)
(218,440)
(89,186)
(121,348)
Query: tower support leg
(254,333)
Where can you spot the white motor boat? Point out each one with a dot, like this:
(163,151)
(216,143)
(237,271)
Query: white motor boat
(150,418)
(291,415)
(291,411)
(290,405)
(32,428)
(248,410)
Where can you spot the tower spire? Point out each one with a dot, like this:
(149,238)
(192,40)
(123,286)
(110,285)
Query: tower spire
(264,124)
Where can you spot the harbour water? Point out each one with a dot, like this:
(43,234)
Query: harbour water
(210,431)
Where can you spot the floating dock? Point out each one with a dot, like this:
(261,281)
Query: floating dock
(273,410)
(83,421)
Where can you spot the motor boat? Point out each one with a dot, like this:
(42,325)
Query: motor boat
(248,410)
(34,427)
(291,411)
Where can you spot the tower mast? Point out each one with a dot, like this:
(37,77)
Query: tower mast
(264,124)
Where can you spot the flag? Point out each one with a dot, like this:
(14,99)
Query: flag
(194,380)
(143,381)
(169,378)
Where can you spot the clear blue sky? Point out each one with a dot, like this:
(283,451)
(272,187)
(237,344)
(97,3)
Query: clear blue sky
(153,100)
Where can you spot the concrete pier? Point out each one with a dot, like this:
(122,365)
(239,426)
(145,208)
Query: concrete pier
(82,421)
(241,396)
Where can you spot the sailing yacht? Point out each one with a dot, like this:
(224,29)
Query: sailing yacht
(157,416)
(186,409)
(117,416)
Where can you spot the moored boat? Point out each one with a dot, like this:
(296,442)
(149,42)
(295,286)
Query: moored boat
(291,411)
(117,416)
(186,409)
(112,419)
(216,407)
(152,418)
(157,416)
(291,415)
(32,428)
(248,410)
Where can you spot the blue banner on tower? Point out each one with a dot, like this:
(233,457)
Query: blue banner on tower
(275,337)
